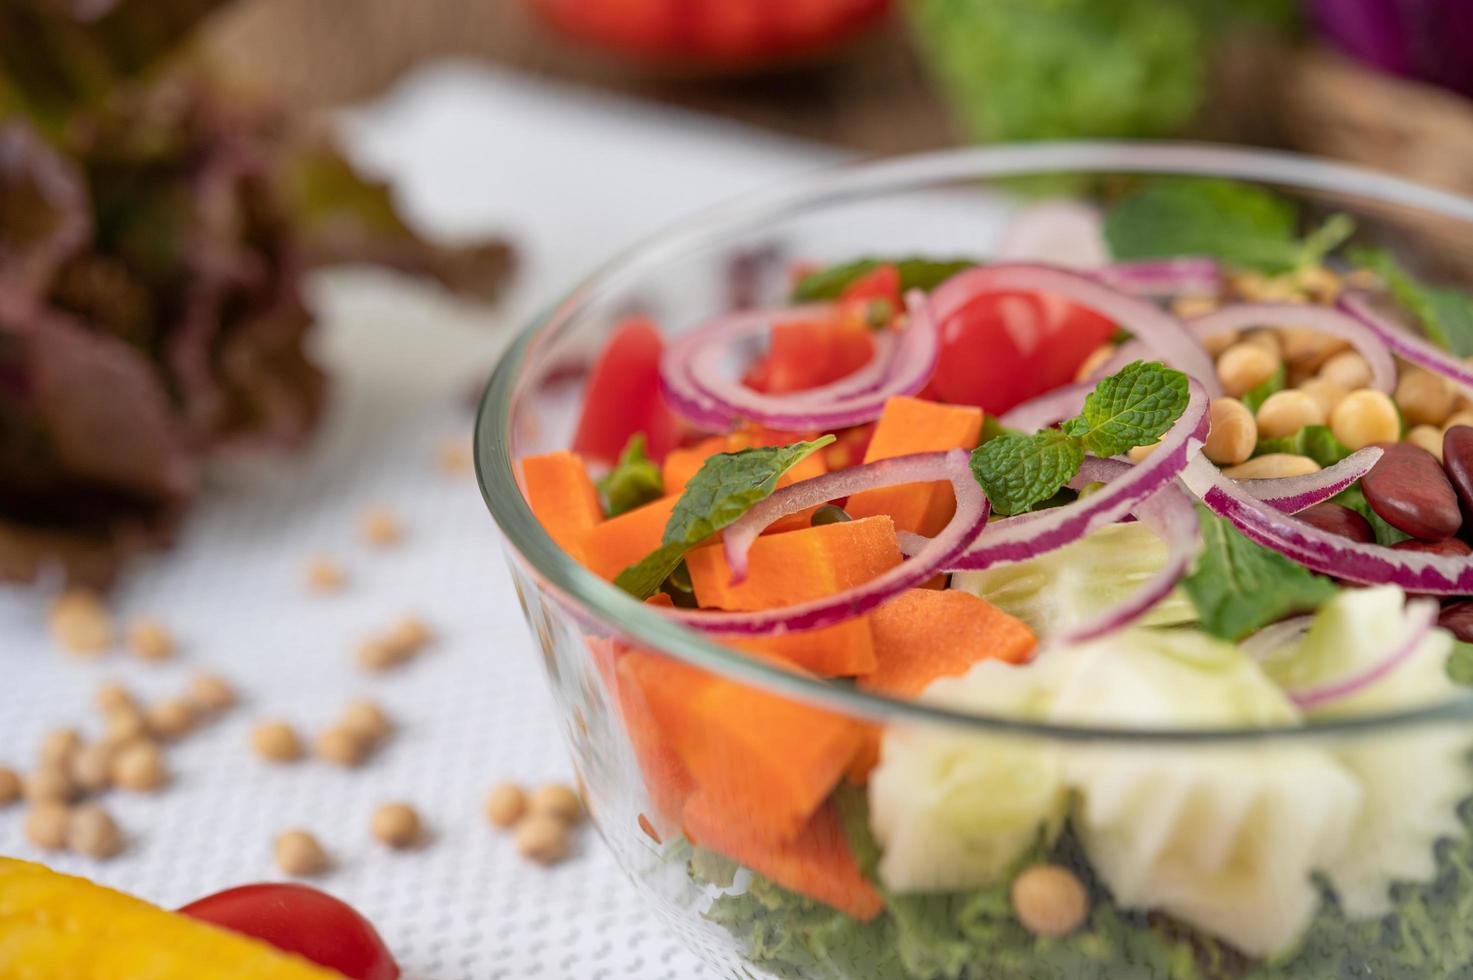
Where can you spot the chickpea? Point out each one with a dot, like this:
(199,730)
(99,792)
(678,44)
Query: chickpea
(299,854)
(50,784)
(1324,391)
(211,693)
(171,719)
(125,726)
(505,805)
(380,655)
(1272,466)
(1267,339)
(1429,437)
(1049,900)
(1321,284)
(1347,369)
(1234,432)
(1137,454)
(379,527)
(92,767)
(140,768)
(342,746)
(556,800)
(80,623)
(113,696)
(453,456)
(324,575)
(59,746)
(1094,361)
(1423,397)
(150,640)
(1308,349)
(543,839)
(276,741)
(1458,418)
(1363,417)
(1187,307)
(366,719)
(410,634)
(93,832)
(46,825)
(1286,412)
(397,825)
(10,786)
(1219,342)
(1245,366)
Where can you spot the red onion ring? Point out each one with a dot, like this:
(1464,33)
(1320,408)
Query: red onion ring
(1063,402)
(1275,636)
(1321,551)
(1164,334)
(1291,494)
(695,388)
(1191,275)
(1404,344)
(970,518)
(1421,615)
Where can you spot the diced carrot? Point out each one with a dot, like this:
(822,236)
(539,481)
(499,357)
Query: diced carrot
(765,762)
(619,542)
(562,497)
(682,464)
(842,650)
(817,863)
(910,425)
(666,779)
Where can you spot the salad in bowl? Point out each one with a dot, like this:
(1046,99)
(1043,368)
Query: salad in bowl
(1089,604)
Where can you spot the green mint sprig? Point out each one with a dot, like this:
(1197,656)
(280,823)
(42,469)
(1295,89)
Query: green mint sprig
(634,481)
(1133,407)
(726,487)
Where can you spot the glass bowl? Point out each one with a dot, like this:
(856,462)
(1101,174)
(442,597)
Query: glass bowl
(693,756)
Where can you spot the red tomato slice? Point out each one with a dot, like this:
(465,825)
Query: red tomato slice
(804,354)
(301,920)
(1001,349)
(623,396)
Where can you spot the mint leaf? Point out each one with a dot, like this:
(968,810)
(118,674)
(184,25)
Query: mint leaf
(634,481)
(1237,223)
(1239,587)
(1445,315)
(1254,397)
(725,488)
(1315,441)
(916,272)
(1355,498)
(1020,471)
(1130,408)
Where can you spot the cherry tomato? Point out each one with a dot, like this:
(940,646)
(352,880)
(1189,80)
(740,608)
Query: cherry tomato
(301,920)
(804,354)
(623,396)
(1002,349)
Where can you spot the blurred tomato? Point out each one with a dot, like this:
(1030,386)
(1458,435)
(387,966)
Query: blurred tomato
(727,33)
(623,396)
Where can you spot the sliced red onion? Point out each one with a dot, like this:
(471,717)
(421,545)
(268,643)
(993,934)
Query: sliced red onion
(1291,494)
(1404,345)
(1030,535)
(1065,232)
(968,521)
(1064,402)
(1275,636)
(1163,334)
(1421,615)
(1321,551)
(694,386)
(1189,276)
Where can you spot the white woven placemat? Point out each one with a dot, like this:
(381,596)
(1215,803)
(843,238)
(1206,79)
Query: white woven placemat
(472,150)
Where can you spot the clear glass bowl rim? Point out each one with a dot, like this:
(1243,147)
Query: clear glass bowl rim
(600,601)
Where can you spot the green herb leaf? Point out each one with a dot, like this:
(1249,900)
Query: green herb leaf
(1355,498)
(1460,664)
(916,272)
(1236,223)
(1445,315)
(1254,397)
(1018,471)
(1315,441)
(1239,587)
(634,481)
(725,488)
(1130,408)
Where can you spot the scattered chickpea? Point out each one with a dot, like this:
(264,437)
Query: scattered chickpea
(397,825)
(140,767)
(1234,432)
(150,640)
(378,526)
(92,767)
(505,805)
(1308,349)
(379,655)
(1324,391)
(1094,361)
(1363,417)
(542,838)
(211,693)
(299,854)
(50,784)
(453,456)
(113,696)
(410,633)
(1138,453)
(58,747)
(558,801)
(1272,466)
(1348,370)
(93,832)
(276,741)
(342,746)
(46,825)
(80,623)
(1423,397)
(1286,412)
(10,786)
(126,726)
(171,719)
(1049,900)
(367,720)
(1245,366)
(325,575)
(1429,437)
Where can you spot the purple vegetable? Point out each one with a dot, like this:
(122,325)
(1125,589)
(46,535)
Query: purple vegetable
(1427,39)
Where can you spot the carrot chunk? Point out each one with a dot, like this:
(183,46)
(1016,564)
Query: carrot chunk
(562,497)
(619,542)
(912,425)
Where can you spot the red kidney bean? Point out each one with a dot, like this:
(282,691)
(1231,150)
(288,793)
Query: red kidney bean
(1454,547)
(1457,619)
(1336,519)
(1410,491)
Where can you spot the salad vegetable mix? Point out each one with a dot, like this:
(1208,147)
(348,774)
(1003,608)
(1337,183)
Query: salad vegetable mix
(1188,463)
